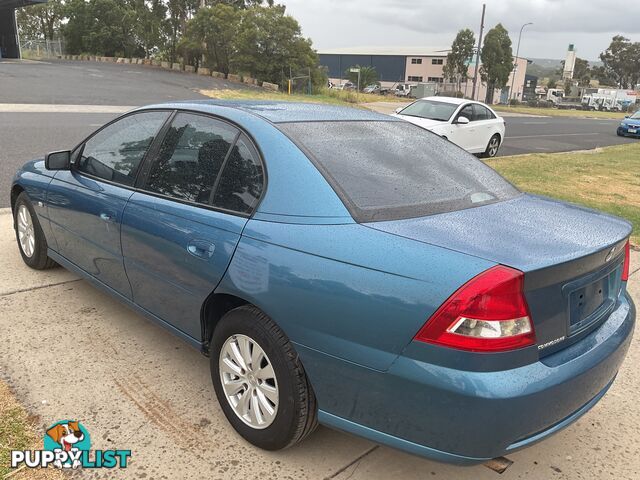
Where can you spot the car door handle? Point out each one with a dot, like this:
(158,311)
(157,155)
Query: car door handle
(107,217)
(201,248)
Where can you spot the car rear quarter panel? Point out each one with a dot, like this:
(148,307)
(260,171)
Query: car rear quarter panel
(345,290)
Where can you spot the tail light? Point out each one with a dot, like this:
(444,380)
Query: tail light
(487,314)
(626,266)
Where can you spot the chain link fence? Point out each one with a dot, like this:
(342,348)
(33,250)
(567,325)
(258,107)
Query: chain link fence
(41,48)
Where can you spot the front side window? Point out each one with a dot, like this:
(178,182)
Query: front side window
(191,157)
(467,112)
(116,151)
(390,170)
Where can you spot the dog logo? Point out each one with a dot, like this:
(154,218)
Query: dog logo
(70,437)
(67,445)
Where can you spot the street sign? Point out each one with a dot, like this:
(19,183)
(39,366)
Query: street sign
(354,70)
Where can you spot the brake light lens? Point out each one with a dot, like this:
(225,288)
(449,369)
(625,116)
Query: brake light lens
(487,314)
(626,266)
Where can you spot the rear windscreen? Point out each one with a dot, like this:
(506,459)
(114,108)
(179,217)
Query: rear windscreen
(394,170)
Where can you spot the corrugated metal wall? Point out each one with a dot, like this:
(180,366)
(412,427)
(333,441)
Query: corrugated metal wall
(390,68)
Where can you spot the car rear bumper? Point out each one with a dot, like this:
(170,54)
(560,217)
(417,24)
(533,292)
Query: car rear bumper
(466,417)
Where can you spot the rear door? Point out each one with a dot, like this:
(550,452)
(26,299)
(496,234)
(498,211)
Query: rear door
(86,203)
(486,125)
(181,228)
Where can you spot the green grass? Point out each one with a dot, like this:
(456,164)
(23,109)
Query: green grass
(17,433)
(14,435)
(328,96)
(607,179)
(554,112)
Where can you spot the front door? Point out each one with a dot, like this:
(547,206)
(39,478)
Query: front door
(86,203)
(181,229)
(463,134)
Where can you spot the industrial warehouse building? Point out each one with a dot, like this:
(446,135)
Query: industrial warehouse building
(414,65)
(9,43)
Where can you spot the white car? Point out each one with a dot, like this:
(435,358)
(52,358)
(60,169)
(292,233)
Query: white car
(469,124)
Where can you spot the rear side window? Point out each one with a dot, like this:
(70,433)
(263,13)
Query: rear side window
(395,170)
(115,152)
(240,184)
(191,157)
(482,113)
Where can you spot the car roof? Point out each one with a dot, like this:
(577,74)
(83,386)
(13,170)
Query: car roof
(452,100)
(281,112)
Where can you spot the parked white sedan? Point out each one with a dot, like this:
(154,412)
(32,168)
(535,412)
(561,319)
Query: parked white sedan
(469,124)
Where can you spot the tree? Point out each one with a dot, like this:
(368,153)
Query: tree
(497,60)
(603,77)
(150,25)
(456,67)
(581,72)
(41,21)
(368,76)
(176,25)
(214,28)
(622,62)
(269,43)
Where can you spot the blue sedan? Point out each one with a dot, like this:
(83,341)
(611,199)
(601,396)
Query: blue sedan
(630,126)
(342,267)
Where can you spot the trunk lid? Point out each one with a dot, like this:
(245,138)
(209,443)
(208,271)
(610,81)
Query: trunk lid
(571,257)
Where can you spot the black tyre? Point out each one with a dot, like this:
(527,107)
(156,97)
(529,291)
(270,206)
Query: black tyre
(259,381)
(31,241)
(492,147)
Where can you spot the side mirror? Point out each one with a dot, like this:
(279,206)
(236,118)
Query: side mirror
(399,109)
(627,116)
(462,121)
(58,160)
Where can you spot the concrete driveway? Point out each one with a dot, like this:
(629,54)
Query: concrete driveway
(70,351)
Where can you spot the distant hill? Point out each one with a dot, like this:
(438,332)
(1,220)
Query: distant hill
(544,67)
(548,67)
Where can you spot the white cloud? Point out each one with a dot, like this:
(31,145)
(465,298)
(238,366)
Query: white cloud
(557,23)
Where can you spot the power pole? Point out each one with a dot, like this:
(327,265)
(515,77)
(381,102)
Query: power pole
(475,75)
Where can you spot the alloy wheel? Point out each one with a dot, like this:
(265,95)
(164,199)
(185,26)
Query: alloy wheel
(249,381)
(494,144)
(26,233)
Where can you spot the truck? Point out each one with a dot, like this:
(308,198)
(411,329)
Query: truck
(557,97)
(603,103)
(402,90)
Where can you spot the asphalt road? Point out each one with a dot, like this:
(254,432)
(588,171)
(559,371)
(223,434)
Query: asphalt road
(559,134)
(97,83)
(24,136)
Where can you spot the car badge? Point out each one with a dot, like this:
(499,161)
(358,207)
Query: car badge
(610,254)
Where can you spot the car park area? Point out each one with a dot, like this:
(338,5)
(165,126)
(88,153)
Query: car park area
(71,350)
